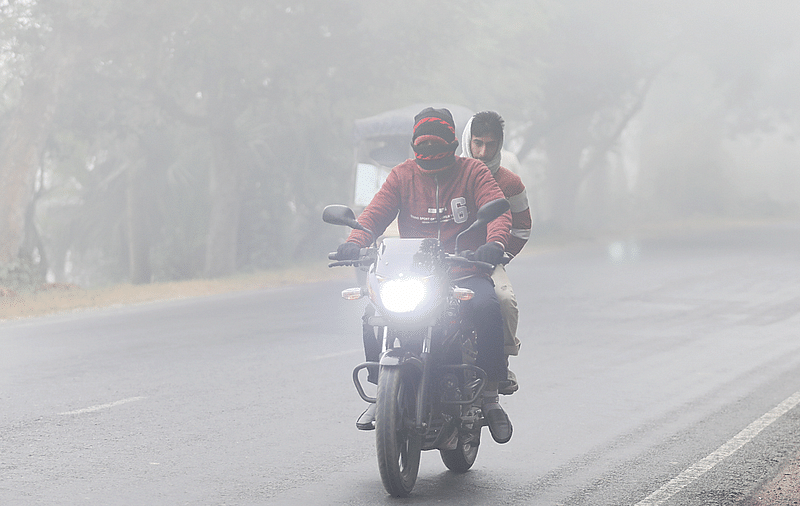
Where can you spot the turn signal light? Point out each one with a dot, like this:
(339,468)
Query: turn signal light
(463,293)
(352,294)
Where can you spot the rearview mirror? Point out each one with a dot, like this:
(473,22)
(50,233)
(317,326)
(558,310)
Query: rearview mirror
(488,212)
(492,210)
(337,214)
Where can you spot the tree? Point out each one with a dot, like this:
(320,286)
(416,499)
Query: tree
(46,69)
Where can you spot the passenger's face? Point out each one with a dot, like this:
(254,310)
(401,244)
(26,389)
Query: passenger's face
(484,147)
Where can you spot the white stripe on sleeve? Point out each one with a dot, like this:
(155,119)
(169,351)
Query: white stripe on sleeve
(518,202)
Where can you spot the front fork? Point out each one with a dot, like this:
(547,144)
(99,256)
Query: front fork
(424,387)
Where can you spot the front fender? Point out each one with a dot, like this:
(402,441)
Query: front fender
(400,358)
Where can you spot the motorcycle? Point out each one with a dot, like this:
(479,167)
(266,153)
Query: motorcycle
(429,388)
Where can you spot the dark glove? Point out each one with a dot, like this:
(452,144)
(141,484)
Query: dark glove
(491,253)
(348,251)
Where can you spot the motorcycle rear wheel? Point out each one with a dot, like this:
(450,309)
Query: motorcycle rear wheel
(397,444)
(462,458)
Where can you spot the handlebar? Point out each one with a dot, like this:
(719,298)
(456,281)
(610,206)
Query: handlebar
(465,258)
(365,257)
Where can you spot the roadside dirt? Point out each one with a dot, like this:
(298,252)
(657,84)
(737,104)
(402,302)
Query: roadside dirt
(781,490)
(68,298)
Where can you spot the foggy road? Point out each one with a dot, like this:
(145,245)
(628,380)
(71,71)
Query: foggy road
(648,370)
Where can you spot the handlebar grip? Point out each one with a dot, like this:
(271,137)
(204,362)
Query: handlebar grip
(365,257)
(467,260)
(484,265)
(335,255)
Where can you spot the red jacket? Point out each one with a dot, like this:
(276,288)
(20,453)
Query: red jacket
(410,194)
(521,222)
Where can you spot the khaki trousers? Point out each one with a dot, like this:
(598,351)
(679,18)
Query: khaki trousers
(508,306)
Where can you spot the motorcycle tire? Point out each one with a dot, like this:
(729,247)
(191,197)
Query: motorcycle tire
(398,445)
(462,458)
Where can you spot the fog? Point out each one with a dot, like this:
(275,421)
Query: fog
(148,141)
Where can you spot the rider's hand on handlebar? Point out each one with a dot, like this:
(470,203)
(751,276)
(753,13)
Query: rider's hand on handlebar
(491,253)
(348,251)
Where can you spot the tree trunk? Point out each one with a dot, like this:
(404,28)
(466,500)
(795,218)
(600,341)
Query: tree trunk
(223,229)
(564,148)
(149,160)
(19,160)
(23,142)
(138,230)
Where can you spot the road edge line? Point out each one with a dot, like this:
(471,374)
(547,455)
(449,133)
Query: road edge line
(692,473)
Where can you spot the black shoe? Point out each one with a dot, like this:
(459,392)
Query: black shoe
(498,422)
(367,419)
(509,385)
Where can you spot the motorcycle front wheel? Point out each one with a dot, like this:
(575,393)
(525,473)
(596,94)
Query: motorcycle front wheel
(397,443)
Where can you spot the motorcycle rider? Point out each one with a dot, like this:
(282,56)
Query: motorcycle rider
(439,192)
(483,139)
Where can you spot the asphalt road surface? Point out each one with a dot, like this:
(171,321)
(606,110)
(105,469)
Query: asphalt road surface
(653,371)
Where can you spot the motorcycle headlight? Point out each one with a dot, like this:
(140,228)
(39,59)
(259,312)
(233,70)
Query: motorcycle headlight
(403,295)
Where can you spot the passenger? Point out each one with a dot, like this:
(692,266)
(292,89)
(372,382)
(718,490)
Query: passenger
(483,140)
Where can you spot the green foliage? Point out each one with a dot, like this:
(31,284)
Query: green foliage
(20,275)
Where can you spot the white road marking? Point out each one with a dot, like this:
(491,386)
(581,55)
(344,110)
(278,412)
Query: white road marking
(701,467)
(102,406)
